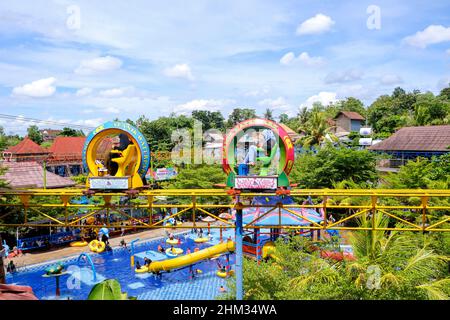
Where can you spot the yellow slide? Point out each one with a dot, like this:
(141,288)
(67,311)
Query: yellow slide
(188,259)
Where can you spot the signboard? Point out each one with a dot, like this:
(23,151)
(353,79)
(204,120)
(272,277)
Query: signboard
(109,183)
(365,131)
(256,183)
(163,174)
(365,141)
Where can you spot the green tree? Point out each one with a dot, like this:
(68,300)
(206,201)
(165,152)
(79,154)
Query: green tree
(34,134)
(316,128)
(331,165)
(69,132)
(239,115)
(268,114)
(209,119)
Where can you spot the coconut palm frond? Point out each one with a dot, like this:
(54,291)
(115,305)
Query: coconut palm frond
(437,290)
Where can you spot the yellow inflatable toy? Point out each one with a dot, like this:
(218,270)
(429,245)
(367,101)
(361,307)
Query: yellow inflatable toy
(173,241)
(79,244)
(189,259)
(174,252)
(97,246)
(200,240)
(224,274)
(142,269)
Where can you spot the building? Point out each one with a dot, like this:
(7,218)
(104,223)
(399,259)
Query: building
(347,121)
(49,135)
(412,142)
(31,174)
(66,156)
(25,150)
(212,150)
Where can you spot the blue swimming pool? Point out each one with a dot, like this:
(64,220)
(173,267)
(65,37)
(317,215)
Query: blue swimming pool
(178,284)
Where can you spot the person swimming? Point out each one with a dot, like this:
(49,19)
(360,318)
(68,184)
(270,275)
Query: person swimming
(138,265)
(161,248)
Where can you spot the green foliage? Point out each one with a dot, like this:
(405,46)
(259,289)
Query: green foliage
(79,179)
(69,132)
(315,129)
(197,176)
(422,173)
(159,132)
(239,115)
(209,119)
(108,289)
(390,267)
(34,134)
(269,114)
(330,165)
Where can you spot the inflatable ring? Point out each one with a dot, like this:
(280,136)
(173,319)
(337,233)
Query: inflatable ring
(79,244)
(142,269)
(200,240)
(173,241)
(177,251)
(225,274)
(97,246)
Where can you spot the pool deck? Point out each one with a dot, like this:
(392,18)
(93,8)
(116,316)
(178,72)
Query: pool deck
(39,257)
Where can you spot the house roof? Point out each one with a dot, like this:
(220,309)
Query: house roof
(351,115)
(26,146)
(64,148)
(31,175)
(291,133)
(427,138)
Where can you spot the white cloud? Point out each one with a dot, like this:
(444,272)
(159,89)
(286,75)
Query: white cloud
(89,122)
(320,23)
(343,76)
(114,92)
(201,104)
(279,104)
(83,92)
(37,89)
(98,65)
(430,35)
(389,79)
(303,57)
(288,58)
(179,71)
(324,97)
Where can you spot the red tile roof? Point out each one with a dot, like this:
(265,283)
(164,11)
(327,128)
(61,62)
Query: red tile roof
(351,115)
(26,146)
(31,175)
(67,148)
(427,138)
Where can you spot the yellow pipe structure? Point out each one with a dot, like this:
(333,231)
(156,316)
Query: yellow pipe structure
(420,218)
(189,259)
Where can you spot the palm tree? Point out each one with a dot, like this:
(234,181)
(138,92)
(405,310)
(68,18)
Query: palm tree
(316,129)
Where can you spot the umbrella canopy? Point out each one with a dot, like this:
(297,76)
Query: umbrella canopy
(208,219)
(225,215)
(279,217)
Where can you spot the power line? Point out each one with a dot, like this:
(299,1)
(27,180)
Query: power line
(47,122)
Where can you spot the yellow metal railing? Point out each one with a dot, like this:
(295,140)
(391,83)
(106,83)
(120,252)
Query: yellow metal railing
(414,210)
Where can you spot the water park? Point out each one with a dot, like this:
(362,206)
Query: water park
(190,244)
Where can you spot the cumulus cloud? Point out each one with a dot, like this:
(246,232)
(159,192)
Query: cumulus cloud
(343,76)
(179,71)
(83,92)
(98,65)
(320,23)
(280,104)
(114,92)
(303,58)
(89,122)
(37,89)
(324,97)
(390,79)
(430,35)
(201,104)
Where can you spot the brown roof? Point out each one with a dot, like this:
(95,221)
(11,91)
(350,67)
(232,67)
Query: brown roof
(351,115)
(67,148)
(31,175)
(428,138)
(26,146)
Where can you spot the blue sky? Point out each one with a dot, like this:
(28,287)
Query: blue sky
(86,62)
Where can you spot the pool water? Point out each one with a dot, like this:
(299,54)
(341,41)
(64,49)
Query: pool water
(177,284)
